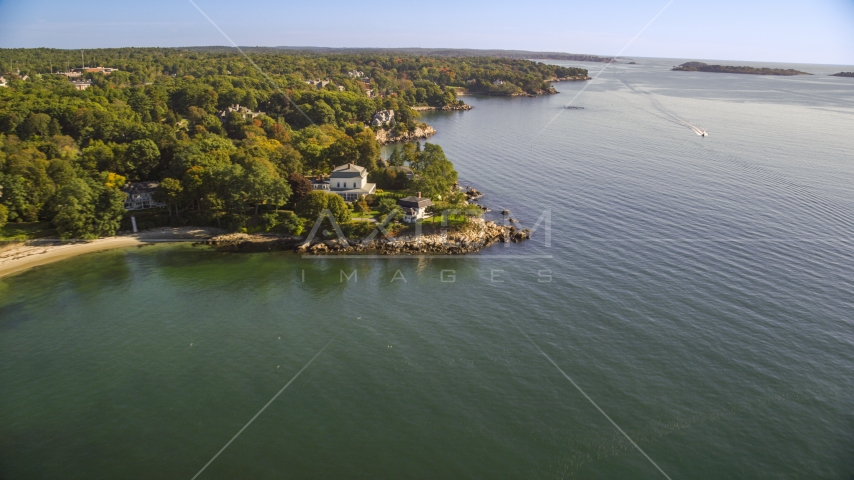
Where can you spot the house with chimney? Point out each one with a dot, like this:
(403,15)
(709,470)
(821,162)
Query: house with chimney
(414,208)
(350,181)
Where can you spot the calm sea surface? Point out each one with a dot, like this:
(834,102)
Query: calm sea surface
(701,294)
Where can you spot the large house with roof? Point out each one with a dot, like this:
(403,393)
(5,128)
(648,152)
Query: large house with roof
(414,208)
(350,181)
(140,195)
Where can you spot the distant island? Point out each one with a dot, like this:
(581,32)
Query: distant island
(843,74)
(704,67)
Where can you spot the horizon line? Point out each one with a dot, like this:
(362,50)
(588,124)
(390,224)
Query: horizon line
(433,49)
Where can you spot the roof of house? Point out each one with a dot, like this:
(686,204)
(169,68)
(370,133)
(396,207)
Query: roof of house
(349,171)
(414,202)
(136,188)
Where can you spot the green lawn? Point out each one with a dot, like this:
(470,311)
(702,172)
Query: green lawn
(26,231)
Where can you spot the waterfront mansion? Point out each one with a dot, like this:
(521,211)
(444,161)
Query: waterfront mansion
(350,181)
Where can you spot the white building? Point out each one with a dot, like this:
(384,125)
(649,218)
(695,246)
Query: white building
(81,85)
(356,73)
(139,195)
(350,181)
(2,81)
(414,208)
(383,118)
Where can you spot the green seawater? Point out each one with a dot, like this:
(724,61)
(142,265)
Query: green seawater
(698,290)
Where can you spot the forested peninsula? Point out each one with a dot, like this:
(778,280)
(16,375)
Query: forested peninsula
(225,144)
(704,67)
(843,74)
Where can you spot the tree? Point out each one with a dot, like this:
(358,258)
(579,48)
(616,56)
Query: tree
(300,186)
(288,160)
(317,201)
(169,191)
(4,215)
(34,124)
(386,205)
(436,174)
(291,223)
(339,208)
(410,154)
(76,213)
(312,205)
(109,209)
(343,151)
(88,210)
(368,149)
(263,184)
(395,159)
(143,158)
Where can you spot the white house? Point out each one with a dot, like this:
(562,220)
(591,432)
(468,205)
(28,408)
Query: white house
(356,73)
(139,195)
(383,118)
(350,181)
(2,81)
(414,208)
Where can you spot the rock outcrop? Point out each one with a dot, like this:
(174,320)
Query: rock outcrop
(385,137)
(446,108)
(476,235)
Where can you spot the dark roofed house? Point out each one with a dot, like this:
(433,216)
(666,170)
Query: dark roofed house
(139,195)
(414,208)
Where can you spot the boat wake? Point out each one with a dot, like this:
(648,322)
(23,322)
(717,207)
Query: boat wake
(670,116)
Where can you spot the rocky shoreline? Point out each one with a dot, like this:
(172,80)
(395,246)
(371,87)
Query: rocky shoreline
(384,137)
(570,79)
(446,108)
(479,234)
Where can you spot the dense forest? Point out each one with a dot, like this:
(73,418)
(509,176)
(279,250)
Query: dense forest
(65,152)
(704,67)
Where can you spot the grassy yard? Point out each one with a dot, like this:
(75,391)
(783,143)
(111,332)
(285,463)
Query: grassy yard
(14,232)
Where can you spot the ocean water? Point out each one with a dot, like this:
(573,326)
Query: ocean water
(699,290)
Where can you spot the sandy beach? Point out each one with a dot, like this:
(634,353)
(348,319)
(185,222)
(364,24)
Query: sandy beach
(15,258)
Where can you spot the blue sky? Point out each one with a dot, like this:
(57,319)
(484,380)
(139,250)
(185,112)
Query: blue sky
(816,31)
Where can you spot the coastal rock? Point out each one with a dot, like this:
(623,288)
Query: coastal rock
(474,236)
(446,108)
(385,137)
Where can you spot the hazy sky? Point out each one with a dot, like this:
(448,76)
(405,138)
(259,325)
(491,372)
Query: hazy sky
(809,31)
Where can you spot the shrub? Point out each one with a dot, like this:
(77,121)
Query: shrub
(386,205)
(290,223)
(361,206)
(358,229)
(4,215)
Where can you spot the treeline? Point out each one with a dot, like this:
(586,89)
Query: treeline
(65,153)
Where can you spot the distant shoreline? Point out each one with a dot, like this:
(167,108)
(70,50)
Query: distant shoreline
(704,67)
